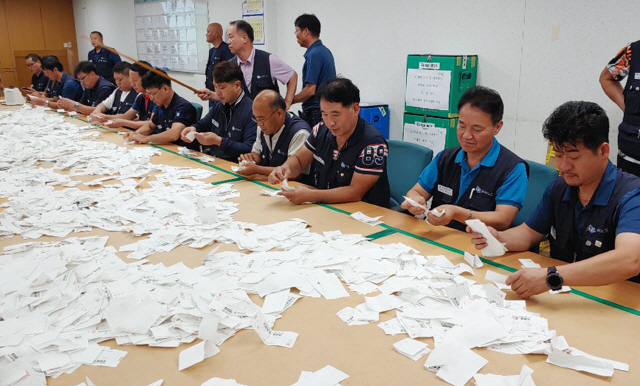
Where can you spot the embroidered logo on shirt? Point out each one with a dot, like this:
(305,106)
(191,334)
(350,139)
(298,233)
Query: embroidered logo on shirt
(233,128)
(479,190)
(592,229)
(215,123)
(177,114)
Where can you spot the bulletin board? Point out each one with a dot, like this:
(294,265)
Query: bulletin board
(171,34)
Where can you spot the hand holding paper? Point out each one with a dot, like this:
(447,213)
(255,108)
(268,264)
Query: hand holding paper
(493,247)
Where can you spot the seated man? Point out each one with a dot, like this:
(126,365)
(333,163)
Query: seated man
(227,128)
(142,107)
(591,213)
(96,89)
(38,80)
(173,113)
(279,136)
(478,179)
(121,100)
(348,155)
(64,86)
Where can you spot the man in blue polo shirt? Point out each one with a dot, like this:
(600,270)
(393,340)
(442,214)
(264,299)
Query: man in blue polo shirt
(103,59)
(96,89)
(227,130)
(478,179)
(64,86)
(173,113)
(591,214)
(279,136)
(142,107)
(347,154)
(318,67)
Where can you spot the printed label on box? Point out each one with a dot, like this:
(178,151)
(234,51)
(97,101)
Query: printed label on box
(429,66)
(428,89)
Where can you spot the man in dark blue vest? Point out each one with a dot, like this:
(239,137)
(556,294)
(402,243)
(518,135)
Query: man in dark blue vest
(348,156)
(121,99)
(591,214)
(279,136)
(624,65)
(318,67)
(103,59)
(227,131)
(173,113)
(478,179)
(64,85)
(218,53)
(262,70)
(96,89)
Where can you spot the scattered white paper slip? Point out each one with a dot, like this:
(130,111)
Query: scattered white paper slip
(411,348)
(523,379)
(528,263)
(273,338)
(473,260)
(494,247)
(196,354)
(499,280)
(454,364)
(241,166)
(373,221)
(326,376)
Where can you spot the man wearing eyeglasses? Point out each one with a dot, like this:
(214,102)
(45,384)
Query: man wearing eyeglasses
(96,89)
(64,85)
(228,129)
(279,136)
(173,113)
(38,80)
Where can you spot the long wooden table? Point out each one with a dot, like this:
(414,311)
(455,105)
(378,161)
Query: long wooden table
(602,321)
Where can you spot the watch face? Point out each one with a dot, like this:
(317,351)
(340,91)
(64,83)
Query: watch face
(554,281)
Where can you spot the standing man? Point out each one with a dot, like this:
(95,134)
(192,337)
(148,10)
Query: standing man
(38,80)
(279,136)
(219,52)
(103,59)
(348,155)
(262,70)
(591,214)
(318,67)
(96,89)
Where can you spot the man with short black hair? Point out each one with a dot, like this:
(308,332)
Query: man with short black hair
(103,59)
(227,130)
(218,53)
(478,179)
(122,98)
(262,70)
(591,214)
(279,135)
(318,67)
(347,154)
(96,89)
(173,113)
(38,80)
(64,86)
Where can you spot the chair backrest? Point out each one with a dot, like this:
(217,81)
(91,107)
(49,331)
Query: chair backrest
(198,107)
(540,176)
(404,165)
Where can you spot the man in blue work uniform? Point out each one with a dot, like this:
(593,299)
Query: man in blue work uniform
(591,214)
(347,154)
(96,89)
(478,179)
(122,98)
(38,80)
(103,59)
(227,130)
(218,53)
(173,113)
(64,86)
(279,136)
(318,67)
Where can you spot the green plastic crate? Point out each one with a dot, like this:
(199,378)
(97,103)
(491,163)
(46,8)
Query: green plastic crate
(426,83)
(429,131)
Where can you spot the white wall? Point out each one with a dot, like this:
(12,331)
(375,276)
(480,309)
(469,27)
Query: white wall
(534,69)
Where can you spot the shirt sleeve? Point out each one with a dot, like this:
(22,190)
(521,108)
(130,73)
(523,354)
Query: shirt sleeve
(539,218)
(115,58)
(280,70)
(185,114)
(514,189)
(101,94)
(629,218)
(108,103)
(312,139)
(429,175)
(257,145)
(204,124)
(297,142)
(71,89)
(248,139)
(225,53)
(136,104)
(373,159)
(619,65)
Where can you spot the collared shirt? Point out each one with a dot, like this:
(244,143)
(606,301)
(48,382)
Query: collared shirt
(39,81)
(179,110)
(279,70)
(296,143)
(619,65)
(319,67)
(216,55)
(144,107)
(628,207)
(67,87)
(108,103)
(104,62)
(512,192)
(100,91)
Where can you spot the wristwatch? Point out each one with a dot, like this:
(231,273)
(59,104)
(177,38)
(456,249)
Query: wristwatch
(554,280)
(75,106)
(46,103)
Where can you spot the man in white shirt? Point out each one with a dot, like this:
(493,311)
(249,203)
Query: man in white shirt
(122,98)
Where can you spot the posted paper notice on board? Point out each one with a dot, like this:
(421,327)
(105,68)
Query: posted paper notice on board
(428,89)
(425,134)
